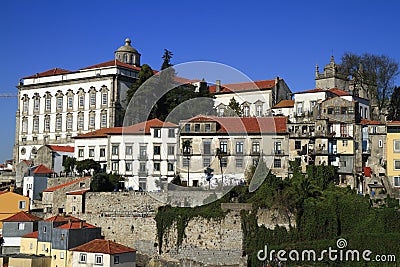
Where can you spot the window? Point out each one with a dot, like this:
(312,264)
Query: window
(47,124)
(171,150)
(82,257)
(185,162)
(104,99)
(104,120)
(297,144)
(330,110)
(208,127)
(80,121)
(277,163)
(43,247)
(278,147)
(396,180)
(397,164)
(239,147)
(80,152)
(343,110)
(171,133)
(343,130)
(92,100)
(380,143)
(91,120)
(187,127)
(207,147)
(116,259)
(25,106)
(69,122)
(61,255)
(128,150)
(128,166)
(98,259)
(300,108)
(170,167)
(157,149)
(143,151)
(70,102)
(59,103)
(156,166)
(30,245)
(22,204)
(259,110)
(224,162)
(342,164)
(157,132)
(345,142)
(24,125)
(255,162)
(48,104)
(350,110)
(102,152)
(197,127)
(246,111)
(221,112)
(366,113)
(58,123)
(91,152)
(114,150)
(223,146)
(36,104)
(81,101)
(114,165)
(36,124)
(239,163)
(255,147)
(44,229)
(206,162)
(142,167)
(21,226)
(396,146)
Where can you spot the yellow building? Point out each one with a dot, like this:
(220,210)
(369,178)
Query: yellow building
(12,203)
(393,153)
(29,244)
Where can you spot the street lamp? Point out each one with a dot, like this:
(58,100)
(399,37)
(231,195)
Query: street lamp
(220,155)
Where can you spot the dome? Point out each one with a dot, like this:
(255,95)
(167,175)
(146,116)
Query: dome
(127,47)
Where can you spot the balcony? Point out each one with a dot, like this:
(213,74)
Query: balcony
(279,152)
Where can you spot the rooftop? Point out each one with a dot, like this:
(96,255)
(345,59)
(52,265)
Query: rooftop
(41,169)
(52,189)
(52,72)
(76,225)
(62,218)
(62,148)
(22,217)
(104,247)
(245,86)
(284,104)
(78,192)
(31,235)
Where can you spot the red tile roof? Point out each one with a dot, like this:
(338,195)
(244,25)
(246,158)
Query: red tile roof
(62,148)
(393,122)
(112,63)
(368,122)
(245,86)
(139,128)
(247,125)
(316,90)
(284,104)
(52,189)
(76,225)
(339,92)
(22,217)
(79,192)
(104,247)
(41,169)
(62,218)
(55,71)
(31,235)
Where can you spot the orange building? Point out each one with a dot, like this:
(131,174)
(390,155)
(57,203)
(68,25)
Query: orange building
(11,203)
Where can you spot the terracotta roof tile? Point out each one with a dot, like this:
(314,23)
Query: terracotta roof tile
(31,235)
(316,90)
(284,104)
(62,148)
(55,71)
(393,122)
(368,122)
(247,125)
(22,217)
(41,169)
(76,225)
(52,189)
(112,63)
(245,86)
(79,192)
(339,92)
(104,247)
(62,218)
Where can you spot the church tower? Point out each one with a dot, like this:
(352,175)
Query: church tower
(128,54)
(331,77)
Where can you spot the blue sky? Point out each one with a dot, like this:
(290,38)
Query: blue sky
(263,39)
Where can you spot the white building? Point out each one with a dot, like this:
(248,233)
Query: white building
(58,104)
(100,252)
(36,182)
(256,98)
(144,153)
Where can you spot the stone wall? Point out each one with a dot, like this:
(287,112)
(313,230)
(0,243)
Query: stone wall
(271,218)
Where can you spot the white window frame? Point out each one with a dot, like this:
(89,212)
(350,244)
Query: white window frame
(36,105)
(22,204)
(98,259)
(70,103)
(82,257)
(104,99)
(394,164)
(92,99)
(58,123)
(25,106)
(36,125)
(70,122)
(48,104)
(380,143)
(104,120)
(21,226)
(92,120)
(61,255)
(81,101)
(396,142)
(396,184)
(59,103)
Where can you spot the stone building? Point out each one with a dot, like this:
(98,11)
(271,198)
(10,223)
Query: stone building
(58,104)
(53,156)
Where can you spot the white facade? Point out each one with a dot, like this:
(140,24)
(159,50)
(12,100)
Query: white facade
(305,102)
(32,186)
(100,259)
(145,160)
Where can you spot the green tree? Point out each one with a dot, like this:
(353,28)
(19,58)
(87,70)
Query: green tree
(234,108)
(116,180)
(87,165)
(101,183)
(166,59)
(394,107)
(69,164)
(145,73)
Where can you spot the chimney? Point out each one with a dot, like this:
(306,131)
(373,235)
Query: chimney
(81,223)
(69,220)
(217,86)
